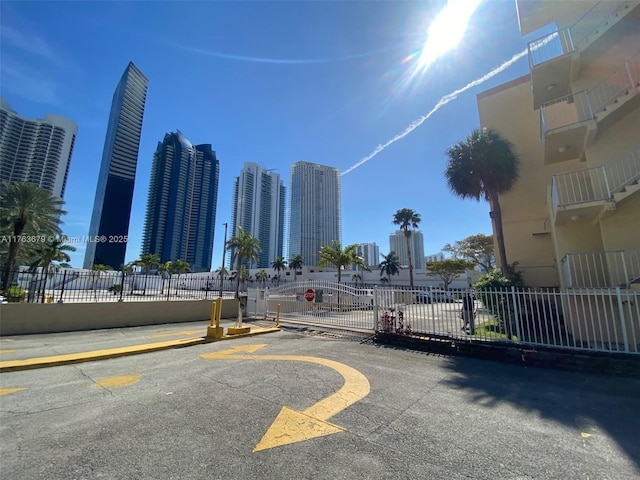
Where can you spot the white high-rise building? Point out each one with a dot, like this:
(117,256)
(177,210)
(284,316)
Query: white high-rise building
(398,244)
(370,252)
(36,151)
(316,218)
(434,257)
(259,208)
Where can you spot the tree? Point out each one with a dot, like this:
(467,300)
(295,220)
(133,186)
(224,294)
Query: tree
(341,258)
(147,262)
(355,278)
(244,247)
(477,249)
(164,269)
(449,269)
(296,263)
(26,208)
(407,219)
(52,254)
(97,269)
(179,267)
(262,276)
(278,265)
(390,265)
(484,166)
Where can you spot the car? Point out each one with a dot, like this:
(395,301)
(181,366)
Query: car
(434,295)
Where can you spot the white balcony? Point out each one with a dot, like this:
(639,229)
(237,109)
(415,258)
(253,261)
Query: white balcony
(569,124)
(554,59)
(601,269)
(590,194)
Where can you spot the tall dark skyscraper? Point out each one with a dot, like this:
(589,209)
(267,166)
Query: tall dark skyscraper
(181,204)
(114,194)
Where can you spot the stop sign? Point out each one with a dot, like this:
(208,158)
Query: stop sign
(309,295)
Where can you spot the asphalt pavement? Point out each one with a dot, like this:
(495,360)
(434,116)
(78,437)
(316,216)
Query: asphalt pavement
(303,403)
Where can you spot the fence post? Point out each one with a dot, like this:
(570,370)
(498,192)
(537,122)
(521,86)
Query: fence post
(64,279)
(516,313)
(623,323)
(376,319)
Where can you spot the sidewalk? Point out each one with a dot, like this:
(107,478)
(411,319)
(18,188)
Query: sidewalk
(23,352)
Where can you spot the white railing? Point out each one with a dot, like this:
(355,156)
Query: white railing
(584,105)
(601,269)
(615,85)
(605,320)
(597,183)
(575,37)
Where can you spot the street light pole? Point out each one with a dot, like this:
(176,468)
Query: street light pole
(224,251)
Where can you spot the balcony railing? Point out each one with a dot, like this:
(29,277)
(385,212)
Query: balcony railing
(597,183)
(585,105)
(576,37)
(601,269)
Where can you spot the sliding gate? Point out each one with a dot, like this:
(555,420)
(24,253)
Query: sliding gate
(323,303)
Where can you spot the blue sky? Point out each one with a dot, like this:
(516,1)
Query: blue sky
(269,82)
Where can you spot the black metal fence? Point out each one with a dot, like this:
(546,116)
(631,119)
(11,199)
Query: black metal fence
(69,285)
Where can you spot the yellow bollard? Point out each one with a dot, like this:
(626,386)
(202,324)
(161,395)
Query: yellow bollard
(213,330)
(214,313)
(278,316)
(219,300)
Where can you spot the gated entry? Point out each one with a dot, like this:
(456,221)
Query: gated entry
(324,303)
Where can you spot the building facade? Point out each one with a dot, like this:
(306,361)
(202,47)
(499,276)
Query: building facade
(36,151)
(573,218)
(370,252)
(259,208)
(181,203)
(114,193)
(398,244)
(315,209)
(434,257)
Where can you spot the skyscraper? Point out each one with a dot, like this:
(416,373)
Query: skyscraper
(114,194)
(258,207)
(370,252)
(398,244)
(181,203)
(36,151)
(316,218)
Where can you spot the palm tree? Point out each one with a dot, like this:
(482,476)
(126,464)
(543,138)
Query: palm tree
(51,254)
(334,254)
(25,207)
(147,262)
(179,267)
(390,265)
(163,269)
(296,263)
(262,276)
(244,247)
(484,166)
(407,219)
(97,269)
(278,265)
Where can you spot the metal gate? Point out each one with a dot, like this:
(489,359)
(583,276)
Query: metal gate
(323,303)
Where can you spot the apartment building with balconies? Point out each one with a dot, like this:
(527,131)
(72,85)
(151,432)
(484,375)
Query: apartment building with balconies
(573,218)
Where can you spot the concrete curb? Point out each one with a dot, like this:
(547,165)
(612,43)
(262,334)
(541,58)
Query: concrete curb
(71,358)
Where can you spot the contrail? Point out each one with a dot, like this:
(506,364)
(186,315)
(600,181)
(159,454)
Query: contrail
(442,102)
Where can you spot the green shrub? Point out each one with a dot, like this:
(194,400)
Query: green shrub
(115,289)
(16,294)
(492,288)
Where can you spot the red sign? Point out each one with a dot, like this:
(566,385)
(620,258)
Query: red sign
(309,295)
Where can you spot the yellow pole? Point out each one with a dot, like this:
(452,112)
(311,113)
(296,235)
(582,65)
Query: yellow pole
(219,300)
(214,314)
(278,315)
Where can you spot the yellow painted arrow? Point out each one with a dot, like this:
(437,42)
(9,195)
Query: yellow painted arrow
(291,426)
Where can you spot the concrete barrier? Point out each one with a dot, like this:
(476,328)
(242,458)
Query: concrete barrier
(26,318)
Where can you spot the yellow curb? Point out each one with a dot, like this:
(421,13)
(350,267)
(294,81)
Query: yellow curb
(56,360)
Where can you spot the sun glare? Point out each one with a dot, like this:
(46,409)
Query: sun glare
(446,31)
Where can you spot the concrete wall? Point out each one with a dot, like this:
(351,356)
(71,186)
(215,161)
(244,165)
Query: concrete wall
(24,318)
